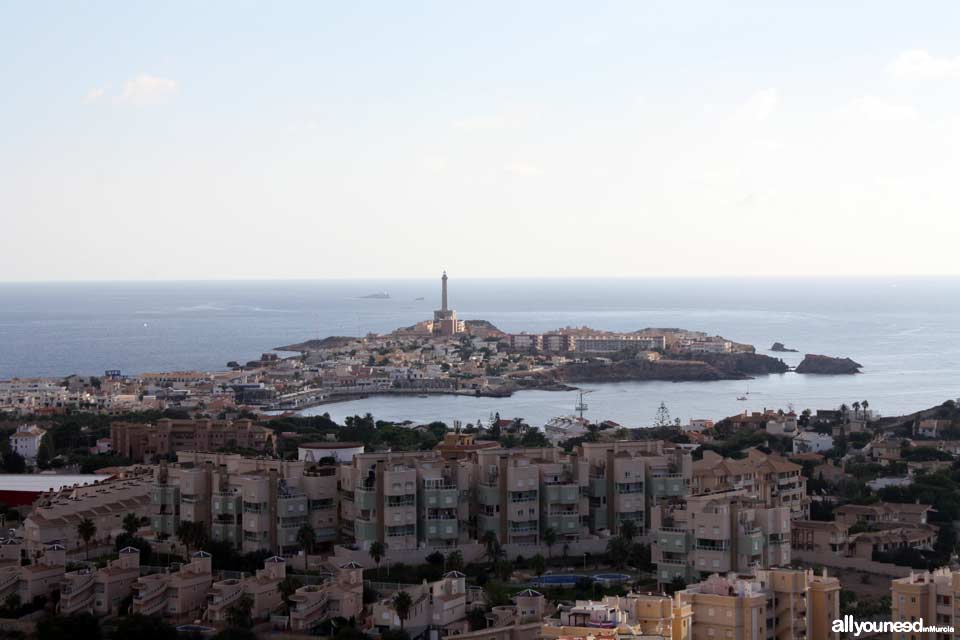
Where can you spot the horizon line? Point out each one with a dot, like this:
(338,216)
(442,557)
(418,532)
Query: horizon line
(712,276)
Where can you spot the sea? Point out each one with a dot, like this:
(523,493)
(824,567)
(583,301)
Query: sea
(904,331)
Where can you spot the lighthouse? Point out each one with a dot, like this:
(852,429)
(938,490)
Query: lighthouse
(445,321)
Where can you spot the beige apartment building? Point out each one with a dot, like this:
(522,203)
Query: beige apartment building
(145,441)
(785,604)
(254,504)
(777,482)
(730,530)
(55,515)
(929,596)
(101,591)
(179,596)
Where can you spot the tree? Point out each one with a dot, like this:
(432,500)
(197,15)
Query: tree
(402,603)
(86,529)
(288,587)
(239,613)
(662,418)
(140,627)
(43,452)
(76,625)
(192,535)
(492,545)
(455,561)
(617,551)
(628,530)
(856,410)
(307,539)
(11,603)
(377,551)
(131,522)
(539,564)
(550,539)
(504,569)
(864,405)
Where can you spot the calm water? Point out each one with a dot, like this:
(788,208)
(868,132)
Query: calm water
(906,333)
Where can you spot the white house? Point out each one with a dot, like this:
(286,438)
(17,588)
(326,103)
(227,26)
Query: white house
(26,441)
(807,441)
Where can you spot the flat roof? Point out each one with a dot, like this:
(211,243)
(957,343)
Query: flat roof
(40,482)
(330,445)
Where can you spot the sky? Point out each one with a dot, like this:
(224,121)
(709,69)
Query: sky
(237,140)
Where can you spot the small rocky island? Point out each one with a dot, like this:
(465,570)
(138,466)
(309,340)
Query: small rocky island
(826,365)
(780,348)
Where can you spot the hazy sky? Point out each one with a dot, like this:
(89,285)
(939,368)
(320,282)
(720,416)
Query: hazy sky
(339,139)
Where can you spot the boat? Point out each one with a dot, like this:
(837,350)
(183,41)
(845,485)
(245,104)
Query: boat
(420,299)
(382,295)
(741,398)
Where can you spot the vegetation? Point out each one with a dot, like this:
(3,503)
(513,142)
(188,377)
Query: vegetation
(377,551)
(307,539)
(402,602)
(86,529)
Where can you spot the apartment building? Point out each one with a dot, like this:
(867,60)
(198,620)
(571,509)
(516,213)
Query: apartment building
(55,515)
(340,596)
(254,504)
(932,596)
(781,604)
(145,441)
(775,481)
(179,596)
(624,476)
(263,590)
(101,591)
(730,530)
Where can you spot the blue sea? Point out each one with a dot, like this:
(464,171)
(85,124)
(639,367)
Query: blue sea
(905,332)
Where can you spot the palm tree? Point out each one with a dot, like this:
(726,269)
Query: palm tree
(617,551)
(86,529)
(489,540)
(844,409)
(455,561)
(539,564)
(131,522)
(307,539)
(550,539)
(377,551)
(402,603)
(864,405)
(192,535)
(856,410)
(628,530)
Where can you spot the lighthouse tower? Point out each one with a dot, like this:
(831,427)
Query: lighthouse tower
(445,321)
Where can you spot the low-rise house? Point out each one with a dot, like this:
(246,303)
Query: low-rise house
(930,427)
(180,595)
(263,589)
(101,591)
(885,451)
(442,604)
(811,441)
(39,578)
(883,512)
(341,596)
(26,441)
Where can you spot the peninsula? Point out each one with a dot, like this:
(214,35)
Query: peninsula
(448,355)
